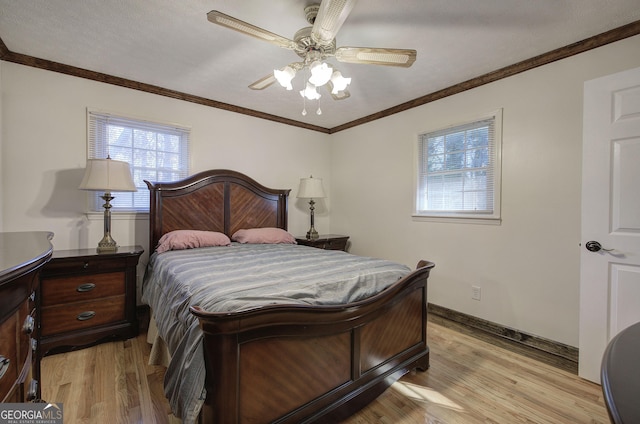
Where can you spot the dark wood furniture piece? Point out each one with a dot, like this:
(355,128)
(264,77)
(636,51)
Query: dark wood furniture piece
(620,375)
(291,364)
(21,257)
(88,297)
(326,241)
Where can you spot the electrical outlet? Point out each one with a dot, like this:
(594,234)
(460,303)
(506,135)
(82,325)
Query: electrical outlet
(476,292)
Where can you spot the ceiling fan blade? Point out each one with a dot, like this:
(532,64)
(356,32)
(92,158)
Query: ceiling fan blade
(227,21)
(331,15)
(263,83)
(376,56)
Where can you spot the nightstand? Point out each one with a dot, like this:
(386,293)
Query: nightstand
(326,241)
(87,297)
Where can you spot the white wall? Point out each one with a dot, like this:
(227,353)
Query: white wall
(528,267)
(43,153)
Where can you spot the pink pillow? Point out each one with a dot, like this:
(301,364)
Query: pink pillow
(263,236)
(189,239)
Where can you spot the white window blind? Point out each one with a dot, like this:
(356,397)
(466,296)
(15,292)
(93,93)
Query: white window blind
(459,171)
(156,152)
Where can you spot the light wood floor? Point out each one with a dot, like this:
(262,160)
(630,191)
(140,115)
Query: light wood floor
(470,381)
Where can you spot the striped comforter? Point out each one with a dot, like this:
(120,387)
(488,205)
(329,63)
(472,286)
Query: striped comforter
(241,277)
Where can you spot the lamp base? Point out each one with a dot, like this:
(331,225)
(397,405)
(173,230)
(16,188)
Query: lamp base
(107,244)
(312,234)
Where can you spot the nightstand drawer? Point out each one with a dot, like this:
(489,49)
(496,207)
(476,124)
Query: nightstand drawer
(81,288)
(72,265)
(76,316)
(335,244)
(326,242)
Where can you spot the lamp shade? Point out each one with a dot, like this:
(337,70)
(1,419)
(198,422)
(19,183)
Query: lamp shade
(107,175)
(311,188)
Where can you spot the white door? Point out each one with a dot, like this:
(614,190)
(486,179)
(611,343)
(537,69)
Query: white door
(609,277)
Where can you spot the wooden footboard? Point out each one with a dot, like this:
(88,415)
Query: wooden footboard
(301,364)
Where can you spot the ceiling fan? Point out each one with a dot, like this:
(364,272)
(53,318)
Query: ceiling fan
(314,44)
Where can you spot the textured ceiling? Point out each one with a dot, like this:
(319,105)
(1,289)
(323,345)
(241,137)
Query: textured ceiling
(171,44)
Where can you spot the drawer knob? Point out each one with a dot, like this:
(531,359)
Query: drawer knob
(32,296)
(87,287)
(4,365)
(86,265)
(29,325)
(34,345)
(32,393)
(86,315)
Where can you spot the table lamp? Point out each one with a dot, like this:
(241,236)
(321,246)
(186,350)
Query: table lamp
(107,175)
(311,188)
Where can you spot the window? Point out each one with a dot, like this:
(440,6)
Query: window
(156,152)
(459,171)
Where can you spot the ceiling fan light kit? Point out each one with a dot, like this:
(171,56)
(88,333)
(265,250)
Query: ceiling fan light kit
(338,82)
(320,73)
(310,92)
(314,45)
(285,76)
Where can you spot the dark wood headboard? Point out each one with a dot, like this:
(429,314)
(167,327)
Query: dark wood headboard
(216,200)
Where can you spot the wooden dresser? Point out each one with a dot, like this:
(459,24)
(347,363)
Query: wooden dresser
(88,297)
(22,254)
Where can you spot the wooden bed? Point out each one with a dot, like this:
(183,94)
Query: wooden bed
(290,364)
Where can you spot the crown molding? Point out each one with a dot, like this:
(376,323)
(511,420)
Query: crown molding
(596,41)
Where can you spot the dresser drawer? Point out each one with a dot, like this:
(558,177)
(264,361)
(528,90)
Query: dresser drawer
(16,347)
(80,288)
(9,351)
(81,315)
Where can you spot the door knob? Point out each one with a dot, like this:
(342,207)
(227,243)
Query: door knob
(594,246)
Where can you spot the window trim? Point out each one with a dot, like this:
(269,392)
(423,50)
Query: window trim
(464,217)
